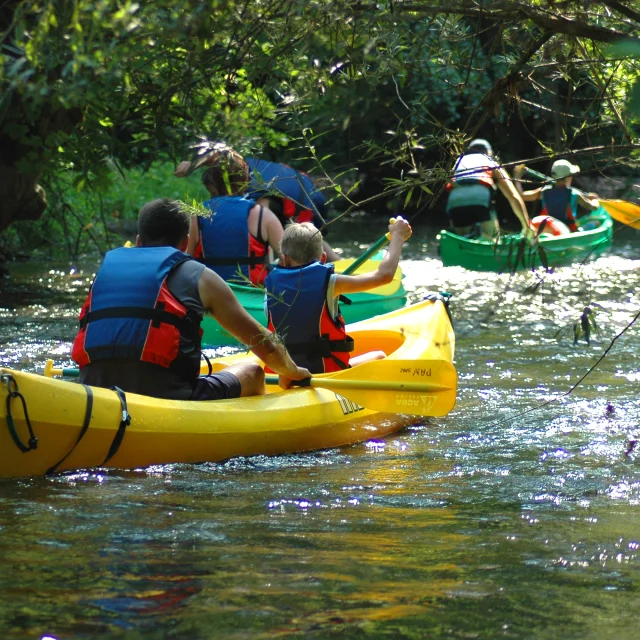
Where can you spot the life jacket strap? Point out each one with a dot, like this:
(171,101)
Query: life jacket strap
(157,316)
(228,262)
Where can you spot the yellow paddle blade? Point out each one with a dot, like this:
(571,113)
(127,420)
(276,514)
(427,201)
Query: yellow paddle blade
(414,387)
(623,211)
(367,267)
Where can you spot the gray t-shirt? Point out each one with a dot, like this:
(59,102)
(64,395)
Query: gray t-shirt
(143,377)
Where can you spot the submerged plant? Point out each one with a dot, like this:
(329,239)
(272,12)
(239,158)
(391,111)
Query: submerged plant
(583,327)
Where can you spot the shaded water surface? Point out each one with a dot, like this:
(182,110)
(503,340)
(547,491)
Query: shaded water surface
(509,518)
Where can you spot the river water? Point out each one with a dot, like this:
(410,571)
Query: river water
(516,516)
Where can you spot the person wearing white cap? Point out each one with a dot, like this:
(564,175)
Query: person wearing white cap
(560,200)
(476,176)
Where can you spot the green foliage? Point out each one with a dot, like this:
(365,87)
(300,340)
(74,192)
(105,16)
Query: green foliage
(91,88)
(631,74)
(583,328)
(85,220)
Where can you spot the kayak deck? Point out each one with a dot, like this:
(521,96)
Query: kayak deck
(171,431)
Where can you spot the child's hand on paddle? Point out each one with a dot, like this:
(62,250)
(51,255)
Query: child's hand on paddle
(400,227)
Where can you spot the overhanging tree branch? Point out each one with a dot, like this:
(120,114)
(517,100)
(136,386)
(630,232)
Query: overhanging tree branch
(508,83)
(623,9)
(510,11)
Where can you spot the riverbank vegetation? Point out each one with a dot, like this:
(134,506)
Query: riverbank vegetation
(99,99)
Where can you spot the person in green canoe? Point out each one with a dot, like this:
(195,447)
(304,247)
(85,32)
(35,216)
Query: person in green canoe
(560,201)
(140,325)
(302,293)
(476,176)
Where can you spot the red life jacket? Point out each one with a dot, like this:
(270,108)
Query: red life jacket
(297,310)
(550,225)
(131,314)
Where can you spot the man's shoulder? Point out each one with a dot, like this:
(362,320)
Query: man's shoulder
(476,161)
(184,280)
(189,266)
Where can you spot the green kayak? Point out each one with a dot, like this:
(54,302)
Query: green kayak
(363,305)
(512,253)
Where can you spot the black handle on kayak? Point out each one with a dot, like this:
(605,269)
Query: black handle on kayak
(294,383)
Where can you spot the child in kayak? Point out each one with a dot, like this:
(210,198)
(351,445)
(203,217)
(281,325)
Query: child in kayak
(302,295)
(560,200)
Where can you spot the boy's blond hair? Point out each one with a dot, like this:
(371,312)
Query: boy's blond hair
(302,242)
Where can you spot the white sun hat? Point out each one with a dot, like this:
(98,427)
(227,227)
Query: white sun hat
(563,169)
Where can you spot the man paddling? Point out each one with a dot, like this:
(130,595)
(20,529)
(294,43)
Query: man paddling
(470,206)
(140,325)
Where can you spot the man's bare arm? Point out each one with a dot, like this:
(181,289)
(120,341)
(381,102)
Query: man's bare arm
(505,184)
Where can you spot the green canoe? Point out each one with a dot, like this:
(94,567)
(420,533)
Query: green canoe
(363,305)
(511,253)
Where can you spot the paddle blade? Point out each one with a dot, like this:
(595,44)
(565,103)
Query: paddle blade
(626,212)
(417,387)
(414,387)
(427,404)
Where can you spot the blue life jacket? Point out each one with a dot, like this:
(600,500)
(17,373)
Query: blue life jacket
(226,246)
(561,203)
(301,200)
(297,309)
(130,313)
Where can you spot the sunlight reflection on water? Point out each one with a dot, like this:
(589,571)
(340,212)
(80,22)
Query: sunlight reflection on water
(515,516)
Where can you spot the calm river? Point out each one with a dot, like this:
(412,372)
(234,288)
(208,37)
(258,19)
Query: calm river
(513,517)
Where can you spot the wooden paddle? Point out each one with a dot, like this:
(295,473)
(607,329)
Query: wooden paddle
(415,387)
(626,212)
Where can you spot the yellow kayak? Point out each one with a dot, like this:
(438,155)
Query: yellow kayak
(76,427)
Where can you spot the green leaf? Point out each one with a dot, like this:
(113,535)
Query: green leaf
(408,198)
(624,48)
(633,103)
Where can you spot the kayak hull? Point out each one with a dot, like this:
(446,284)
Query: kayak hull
(593,238)
(171,431)
(362,305)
